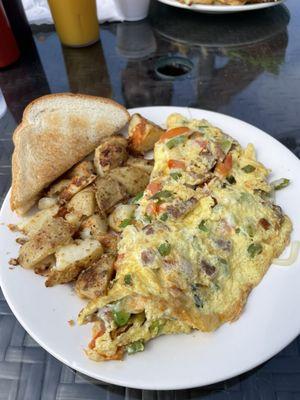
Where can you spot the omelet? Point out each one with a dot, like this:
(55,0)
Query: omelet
(204,234)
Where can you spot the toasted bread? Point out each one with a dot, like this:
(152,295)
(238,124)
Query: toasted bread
(57,131)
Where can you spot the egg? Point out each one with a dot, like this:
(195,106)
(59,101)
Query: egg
(205,234)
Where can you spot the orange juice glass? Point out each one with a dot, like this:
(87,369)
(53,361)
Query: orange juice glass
(76,21)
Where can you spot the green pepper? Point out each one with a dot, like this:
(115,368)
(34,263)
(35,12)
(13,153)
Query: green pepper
(135,347)
(280,183)
(248,168)
(254,249)
(202,226)
(176,175)
(164,249)
(176,141)
(225,145)
(156,327)
(126,222)
(137,198)
(163,194)
(164,217)
(121,317)
(127,279)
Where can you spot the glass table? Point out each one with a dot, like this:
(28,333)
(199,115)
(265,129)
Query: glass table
(244,65)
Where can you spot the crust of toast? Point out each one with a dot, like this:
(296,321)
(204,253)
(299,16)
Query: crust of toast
(45,149)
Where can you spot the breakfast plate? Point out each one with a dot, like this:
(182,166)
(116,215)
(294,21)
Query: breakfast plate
(219,9)
(181,361)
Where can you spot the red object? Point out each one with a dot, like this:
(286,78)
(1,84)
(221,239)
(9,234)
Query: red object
(9,51)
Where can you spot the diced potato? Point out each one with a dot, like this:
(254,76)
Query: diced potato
(46,202)
(83,203)
(133,179)
(122,215)
(30,226)
(140,162)
(76,185)
(143,134)
(72,259)
(93,281)
(93,226)
(44,266)
(108,193)
(56,188)
(109,242)
(110,154)
(53,234)
(84,168)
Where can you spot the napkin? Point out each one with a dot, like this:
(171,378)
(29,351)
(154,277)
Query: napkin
(37,11)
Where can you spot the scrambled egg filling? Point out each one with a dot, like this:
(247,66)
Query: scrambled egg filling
(203,236)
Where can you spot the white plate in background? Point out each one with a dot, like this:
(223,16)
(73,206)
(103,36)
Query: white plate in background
(268,324)
(219,9)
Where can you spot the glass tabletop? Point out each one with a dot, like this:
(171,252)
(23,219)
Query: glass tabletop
(244,65)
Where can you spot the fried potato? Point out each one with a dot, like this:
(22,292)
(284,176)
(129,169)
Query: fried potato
(110,154)
(93,227)
(109,242)
(109,192)
(133,179)
(30,226)
(76,185)
(93,281)
(54,233)
(83,203)
(140,162)
(47,202)
(121,216)
(72,259)
(43,267)
(56,188)
(84,168)
(143,134)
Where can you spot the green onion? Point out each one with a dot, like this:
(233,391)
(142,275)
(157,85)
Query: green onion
(163,194)
(248,168)
(176,141)
(121,317)
(254,249)
(237,230)
(202,226)
(164,249)
(225,145)
(137,198)
(176,175)
(127,279)
(126,222)
(231,179)
(202,126)
(164,217)
(280,183)
(135,347)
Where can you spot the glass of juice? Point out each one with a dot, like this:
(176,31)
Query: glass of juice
(76,21)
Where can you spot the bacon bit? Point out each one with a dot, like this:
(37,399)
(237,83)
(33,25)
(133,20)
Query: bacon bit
(224,168)
(202,143)
(208,269)
(21,241)
(154,187)
(13,261)
(264,223)
(71,322)
(173,132)
(152,208)
(13,227)
(98,333)
(176,164)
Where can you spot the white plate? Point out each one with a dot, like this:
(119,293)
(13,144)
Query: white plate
(217,9)
(268,324)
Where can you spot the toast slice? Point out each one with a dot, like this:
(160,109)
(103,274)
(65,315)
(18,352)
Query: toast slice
(56,132)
